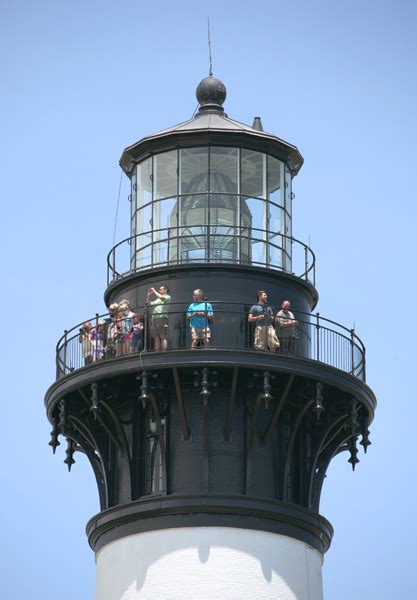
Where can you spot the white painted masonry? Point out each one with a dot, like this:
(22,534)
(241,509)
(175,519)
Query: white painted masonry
(208,563)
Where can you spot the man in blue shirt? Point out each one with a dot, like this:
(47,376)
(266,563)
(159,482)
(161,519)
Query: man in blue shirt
(199,315)
(263,317)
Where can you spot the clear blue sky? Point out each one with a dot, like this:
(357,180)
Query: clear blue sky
(82,80)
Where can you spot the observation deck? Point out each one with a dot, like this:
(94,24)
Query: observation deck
(321,347)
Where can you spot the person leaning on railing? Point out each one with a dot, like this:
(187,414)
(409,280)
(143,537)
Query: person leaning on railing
(127,324)
(86,343)
(136,341)
(110,331)
(97,336)
(199,315)
(287,327)
(159,316)
(262,316)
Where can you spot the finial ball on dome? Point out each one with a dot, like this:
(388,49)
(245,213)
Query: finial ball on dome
(211,91)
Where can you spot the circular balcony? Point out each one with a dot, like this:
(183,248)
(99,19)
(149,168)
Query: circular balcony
(211,244)
(313,338)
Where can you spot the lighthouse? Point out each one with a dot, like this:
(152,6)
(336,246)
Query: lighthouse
(211,396)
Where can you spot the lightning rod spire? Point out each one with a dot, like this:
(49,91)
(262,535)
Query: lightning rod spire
(209,45)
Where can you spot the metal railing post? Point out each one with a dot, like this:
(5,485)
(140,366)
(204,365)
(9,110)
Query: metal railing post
(352,351)
(145,329)
(95,341)
(65,351)
(364,365)
(305,263)
(318,335)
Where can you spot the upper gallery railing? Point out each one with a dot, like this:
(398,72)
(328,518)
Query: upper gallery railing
(211,244)
(310,337)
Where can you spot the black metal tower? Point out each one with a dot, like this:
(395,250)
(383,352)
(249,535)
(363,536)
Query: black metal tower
(225,435)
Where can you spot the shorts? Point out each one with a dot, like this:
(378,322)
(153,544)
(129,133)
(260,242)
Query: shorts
(136,339)
(159,327)
(265,337)
(200,333)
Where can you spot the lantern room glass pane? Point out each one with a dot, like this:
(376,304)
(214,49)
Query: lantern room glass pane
(224,233)
(164,228)
(143,183)
(165,214)
(288,225)
(194,210)
(193,218)
(193,170)
(144,219)
(224,170)
(276,190)
(133,217)
(192,243)
(288,191)
(224,210)
(253,173)
(165,175)
(133,196)
(253,213)
(224,246)
(275,251)
(258,252)
(143,254)
(160,251)
(275,218)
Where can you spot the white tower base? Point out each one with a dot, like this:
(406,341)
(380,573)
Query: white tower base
(208,563)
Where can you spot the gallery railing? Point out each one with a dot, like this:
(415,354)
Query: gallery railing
(211,244)
(311,337)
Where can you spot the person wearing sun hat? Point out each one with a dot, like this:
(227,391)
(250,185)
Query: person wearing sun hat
(110,331)
(127,323)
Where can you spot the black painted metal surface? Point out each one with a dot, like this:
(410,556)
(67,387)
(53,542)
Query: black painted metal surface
(221,435)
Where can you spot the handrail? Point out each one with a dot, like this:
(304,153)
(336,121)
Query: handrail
(173,235)
(313,337)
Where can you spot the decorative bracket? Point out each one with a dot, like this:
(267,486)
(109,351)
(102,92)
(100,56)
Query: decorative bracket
(54,442)
(318,407)
(94,400)
(62,417)
(365,441)
(144,391)
(266,396)
(69,461)
(353,460)
(205,392)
